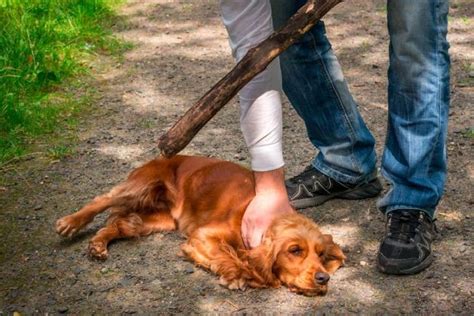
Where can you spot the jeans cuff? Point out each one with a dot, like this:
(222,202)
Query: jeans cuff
(338,175)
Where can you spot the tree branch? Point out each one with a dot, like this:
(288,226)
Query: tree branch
(254,62)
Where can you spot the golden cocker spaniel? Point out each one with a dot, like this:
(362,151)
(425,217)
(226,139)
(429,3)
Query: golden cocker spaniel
(205,199)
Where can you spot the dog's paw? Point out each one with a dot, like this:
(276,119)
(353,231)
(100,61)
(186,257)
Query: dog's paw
(68,226)
(235,284)
(98,250)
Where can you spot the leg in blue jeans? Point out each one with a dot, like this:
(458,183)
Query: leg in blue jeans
(315,86)
(414,160)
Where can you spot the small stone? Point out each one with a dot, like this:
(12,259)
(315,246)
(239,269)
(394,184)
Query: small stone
(78,270)
(126,281)
(63,309)
(104,270)
(449,226)
(38,207)
(363,263)
(130,311)
(189,270)
(471,74)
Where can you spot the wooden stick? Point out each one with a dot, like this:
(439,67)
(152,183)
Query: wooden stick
(254,62)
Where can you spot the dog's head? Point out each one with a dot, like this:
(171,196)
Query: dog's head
(295,253)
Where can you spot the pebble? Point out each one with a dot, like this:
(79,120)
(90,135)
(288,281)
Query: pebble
(78,270)
(363,263)
(63,309)
(471,74)
(104,270)
(126,281)
(130,311)
(189,270)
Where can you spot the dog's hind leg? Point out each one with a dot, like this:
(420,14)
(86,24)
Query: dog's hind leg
(129,225)
(71,224)
(155,222)
(118,226)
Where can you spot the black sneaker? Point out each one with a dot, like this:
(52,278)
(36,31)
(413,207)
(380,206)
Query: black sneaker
(406,248)
(312,188)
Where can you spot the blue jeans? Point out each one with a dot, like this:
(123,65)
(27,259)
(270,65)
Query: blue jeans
(414,158)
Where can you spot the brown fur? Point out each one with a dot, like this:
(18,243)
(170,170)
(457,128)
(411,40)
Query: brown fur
(205,199)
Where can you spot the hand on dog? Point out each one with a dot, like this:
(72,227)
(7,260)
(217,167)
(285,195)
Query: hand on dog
(270,201)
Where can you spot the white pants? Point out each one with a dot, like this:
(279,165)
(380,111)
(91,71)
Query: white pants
(248,22)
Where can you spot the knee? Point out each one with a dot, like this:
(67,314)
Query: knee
(129,226)
(312,46)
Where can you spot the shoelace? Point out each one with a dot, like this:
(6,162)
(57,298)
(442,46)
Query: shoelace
(404,226)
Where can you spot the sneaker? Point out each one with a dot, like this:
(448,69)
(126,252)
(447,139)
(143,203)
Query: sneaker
(406,247)
(312,188)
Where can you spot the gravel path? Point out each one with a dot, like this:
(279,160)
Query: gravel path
(181,50)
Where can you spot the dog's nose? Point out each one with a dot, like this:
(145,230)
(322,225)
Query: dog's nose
(322,278)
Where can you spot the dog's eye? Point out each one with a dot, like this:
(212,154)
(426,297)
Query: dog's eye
(295,250)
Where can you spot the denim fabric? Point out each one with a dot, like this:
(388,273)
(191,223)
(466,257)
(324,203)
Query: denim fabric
(314,84)
(414,159)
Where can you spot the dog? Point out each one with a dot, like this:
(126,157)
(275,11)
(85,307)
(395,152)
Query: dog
(205,199)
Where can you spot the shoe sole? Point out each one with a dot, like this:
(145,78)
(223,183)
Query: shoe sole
(393,269)
(369,190)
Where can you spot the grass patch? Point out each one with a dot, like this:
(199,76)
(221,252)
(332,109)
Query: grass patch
(43,44)
(60,151)
(469,133)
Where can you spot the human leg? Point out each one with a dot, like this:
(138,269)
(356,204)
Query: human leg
(315,86)
(414,159)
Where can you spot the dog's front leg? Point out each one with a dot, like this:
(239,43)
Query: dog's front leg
(208,248)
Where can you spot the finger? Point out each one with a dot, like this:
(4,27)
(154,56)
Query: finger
(245,235)
(256,238)
(246,243)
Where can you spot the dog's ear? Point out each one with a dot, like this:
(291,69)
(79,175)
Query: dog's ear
(333,255)
(260,264)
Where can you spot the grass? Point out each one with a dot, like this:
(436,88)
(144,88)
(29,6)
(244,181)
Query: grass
(469,133)
(45,44)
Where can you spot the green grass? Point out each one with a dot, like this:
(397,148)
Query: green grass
(60,151)
(469,133)
(43,44)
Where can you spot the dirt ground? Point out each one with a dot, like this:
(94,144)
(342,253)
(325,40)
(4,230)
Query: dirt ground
(180,50)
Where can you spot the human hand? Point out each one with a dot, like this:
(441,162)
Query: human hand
(270,201)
